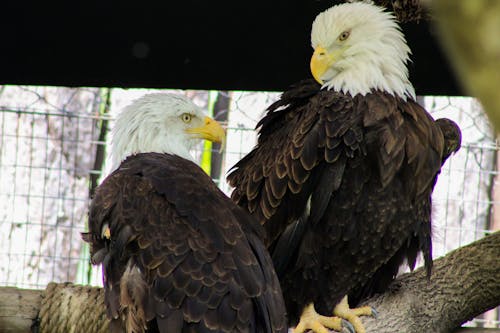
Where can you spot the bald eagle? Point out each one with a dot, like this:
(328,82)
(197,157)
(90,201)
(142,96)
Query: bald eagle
(177,254)
(343,170)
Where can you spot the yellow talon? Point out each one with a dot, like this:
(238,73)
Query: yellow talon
(311,320)
(342,310)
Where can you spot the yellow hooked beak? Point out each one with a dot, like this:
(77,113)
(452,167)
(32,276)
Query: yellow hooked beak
(211,131)
(321,60)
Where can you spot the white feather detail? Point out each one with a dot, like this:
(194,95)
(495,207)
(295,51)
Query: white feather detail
(374,56)
(152,123)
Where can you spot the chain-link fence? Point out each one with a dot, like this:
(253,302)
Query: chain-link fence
(53,153)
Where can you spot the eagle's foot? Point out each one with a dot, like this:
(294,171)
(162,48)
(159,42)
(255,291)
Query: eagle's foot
(311,320)
(342,310)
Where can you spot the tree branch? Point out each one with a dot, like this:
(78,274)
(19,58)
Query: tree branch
(463,285)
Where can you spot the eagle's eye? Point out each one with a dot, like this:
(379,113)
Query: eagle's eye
(186,117)
(344,35)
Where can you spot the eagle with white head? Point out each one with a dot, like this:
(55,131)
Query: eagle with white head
(343,170)
(177,254)
(162,123)
(359,47)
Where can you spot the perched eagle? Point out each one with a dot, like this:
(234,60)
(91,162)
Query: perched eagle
(343,171)
(177,254)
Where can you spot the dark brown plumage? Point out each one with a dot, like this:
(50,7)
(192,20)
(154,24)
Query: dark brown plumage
(343,187)
(181,256)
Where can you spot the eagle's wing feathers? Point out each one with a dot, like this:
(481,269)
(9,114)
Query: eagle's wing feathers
(276,179)
(323,140)
(177,252)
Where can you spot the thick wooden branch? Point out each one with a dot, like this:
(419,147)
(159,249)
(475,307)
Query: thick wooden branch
(464,284)
(19,309)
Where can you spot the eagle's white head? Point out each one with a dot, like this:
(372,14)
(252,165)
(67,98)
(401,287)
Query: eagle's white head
(161,123)
(359,47)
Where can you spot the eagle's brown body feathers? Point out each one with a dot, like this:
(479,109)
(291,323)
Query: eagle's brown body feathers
(181,256)
(343,187)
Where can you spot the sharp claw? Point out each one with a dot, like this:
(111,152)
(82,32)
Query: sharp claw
(374,313)
(347,325)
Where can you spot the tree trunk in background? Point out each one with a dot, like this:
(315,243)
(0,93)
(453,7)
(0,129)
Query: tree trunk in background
(47,150)
(494,315)
(100,149)
(495,221)
(221,113)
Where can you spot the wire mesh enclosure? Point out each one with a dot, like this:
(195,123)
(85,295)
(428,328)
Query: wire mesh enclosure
(53,153)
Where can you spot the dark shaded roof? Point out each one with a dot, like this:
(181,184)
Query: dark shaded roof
(225,45)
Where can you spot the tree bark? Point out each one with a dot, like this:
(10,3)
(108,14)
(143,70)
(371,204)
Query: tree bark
(18,309)
(221,113)
(464,284)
